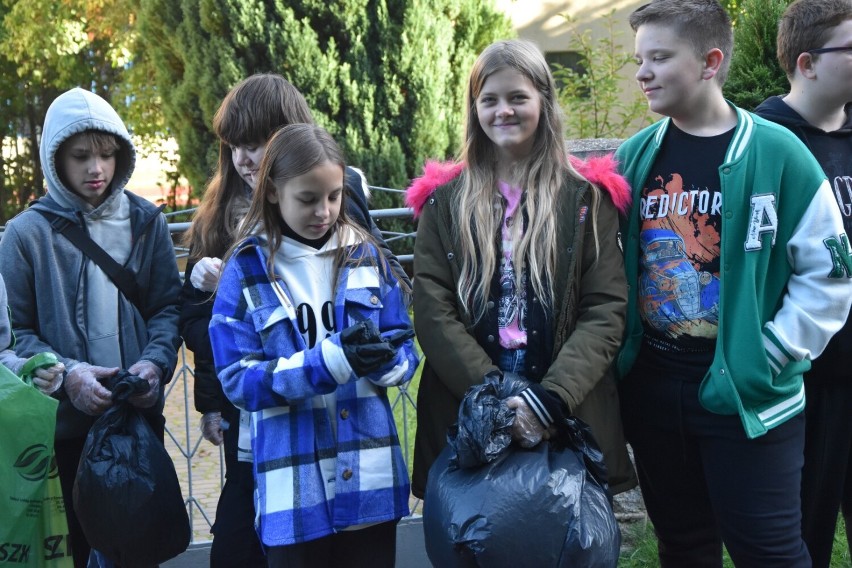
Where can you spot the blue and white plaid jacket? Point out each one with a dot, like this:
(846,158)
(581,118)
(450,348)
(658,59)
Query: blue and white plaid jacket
(266,367)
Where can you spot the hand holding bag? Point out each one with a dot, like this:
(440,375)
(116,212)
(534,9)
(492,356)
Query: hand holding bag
(493,503)
(127,495)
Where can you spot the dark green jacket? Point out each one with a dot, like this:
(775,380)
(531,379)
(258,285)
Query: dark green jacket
(585,332)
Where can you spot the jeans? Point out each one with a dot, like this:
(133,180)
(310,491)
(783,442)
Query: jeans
(513,360)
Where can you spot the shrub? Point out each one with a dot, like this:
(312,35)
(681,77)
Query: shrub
(593,96)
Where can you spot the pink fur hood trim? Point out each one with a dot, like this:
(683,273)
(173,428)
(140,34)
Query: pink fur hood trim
(600,170)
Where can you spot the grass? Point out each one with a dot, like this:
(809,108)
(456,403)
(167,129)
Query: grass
(403,402)
(640,548)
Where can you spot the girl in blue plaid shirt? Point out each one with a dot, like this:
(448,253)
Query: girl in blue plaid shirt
(309,329)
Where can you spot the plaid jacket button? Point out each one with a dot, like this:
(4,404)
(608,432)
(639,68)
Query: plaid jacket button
(347,474)
(344,414)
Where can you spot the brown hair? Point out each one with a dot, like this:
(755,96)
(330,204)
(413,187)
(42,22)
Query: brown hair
(249,114)
(294,151)
(703,23)
(805,25)
(98,142)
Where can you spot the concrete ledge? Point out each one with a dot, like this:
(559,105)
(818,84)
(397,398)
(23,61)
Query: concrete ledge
(584,147)
(196,556)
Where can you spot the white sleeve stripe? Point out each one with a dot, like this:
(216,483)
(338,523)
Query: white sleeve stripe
(537,407)
(815,305)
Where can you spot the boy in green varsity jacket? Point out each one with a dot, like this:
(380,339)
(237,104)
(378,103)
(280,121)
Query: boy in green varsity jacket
(739,273)
(815,51)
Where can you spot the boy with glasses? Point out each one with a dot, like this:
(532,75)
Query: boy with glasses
(815,51)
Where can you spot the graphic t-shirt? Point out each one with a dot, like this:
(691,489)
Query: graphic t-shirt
(511,316)
(680,237)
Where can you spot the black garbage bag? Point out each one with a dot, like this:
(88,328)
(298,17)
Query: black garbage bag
(485,431)
(544,506)
(126,494)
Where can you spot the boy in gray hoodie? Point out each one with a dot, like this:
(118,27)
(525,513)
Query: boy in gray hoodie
(65,303)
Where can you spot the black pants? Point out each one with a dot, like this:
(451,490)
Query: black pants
(235,541)
(827,475)
(704,482)
(68,454)
(371,547)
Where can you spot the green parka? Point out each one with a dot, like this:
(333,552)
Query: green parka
(585,330)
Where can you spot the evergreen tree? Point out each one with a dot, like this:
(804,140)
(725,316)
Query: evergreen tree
(385,77)
(755,73)
(47,47)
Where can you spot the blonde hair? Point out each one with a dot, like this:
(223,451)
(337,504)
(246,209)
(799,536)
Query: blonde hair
(479,206)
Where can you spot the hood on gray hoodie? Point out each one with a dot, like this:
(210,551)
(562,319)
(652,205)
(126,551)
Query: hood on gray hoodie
(73,112)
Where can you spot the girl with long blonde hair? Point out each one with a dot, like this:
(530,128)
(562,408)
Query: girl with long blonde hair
(517,266)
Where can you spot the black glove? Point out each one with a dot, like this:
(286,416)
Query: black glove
(365,349)
(400,336)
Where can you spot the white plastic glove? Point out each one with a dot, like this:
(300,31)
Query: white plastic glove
(49,380)
(205,274)
(527,430)
(151,373)
(87,394)
(211,427)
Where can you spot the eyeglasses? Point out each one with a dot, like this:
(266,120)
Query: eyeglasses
(830,49)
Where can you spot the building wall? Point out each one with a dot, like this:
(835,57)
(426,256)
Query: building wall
(542,22)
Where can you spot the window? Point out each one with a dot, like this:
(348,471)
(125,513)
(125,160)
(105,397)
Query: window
(564,59)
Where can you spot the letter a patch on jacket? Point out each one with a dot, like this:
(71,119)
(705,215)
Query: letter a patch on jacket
(764,219)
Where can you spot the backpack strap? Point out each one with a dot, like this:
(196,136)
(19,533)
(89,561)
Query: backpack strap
(123,278)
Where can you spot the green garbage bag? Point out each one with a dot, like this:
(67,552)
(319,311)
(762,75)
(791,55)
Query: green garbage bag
(33,526)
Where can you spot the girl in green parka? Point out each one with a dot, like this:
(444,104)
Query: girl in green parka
(518,268)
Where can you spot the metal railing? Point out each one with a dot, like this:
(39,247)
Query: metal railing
(200,465)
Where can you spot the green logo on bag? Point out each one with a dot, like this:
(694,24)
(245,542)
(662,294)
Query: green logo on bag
(36,463)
